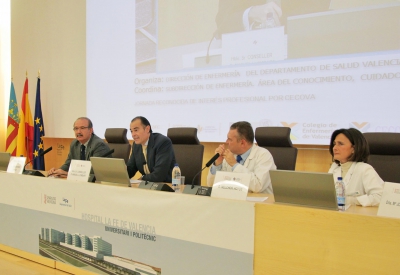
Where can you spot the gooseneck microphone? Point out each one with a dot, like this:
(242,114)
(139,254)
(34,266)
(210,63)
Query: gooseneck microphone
(208,164)
(201,190)
(45,151)
(211,161)
(35,172)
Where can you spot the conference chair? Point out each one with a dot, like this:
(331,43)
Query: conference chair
(117,140)
(385,155)
(188,152)
(277,141)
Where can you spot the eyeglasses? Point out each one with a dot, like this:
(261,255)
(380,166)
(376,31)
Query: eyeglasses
(80,128)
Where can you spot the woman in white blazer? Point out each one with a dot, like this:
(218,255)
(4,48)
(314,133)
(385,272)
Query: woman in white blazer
(350,152)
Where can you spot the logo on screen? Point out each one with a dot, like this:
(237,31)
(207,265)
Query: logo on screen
(363,126)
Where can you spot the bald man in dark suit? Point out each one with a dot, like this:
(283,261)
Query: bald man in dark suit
(152,154)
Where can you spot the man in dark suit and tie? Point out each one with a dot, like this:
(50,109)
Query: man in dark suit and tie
(86,145)
(152,154)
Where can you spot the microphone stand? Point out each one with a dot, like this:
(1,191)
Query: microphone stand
(198,189)
(36,172)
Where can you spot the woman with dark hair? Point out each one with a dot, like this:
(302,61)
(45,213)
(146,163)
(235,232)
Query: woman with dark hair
(350,152)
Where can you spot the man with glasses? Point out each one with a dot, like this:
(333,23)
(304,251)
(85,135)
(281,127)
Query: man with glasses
(86,145)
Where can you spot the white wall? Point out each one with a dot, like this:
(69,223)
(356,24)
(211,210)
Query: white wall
(5,68)
(50,36)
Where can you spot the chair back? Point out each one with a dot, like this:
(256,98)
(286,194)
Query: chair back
(277,141)
(188,152)
(385,155)
(117,140)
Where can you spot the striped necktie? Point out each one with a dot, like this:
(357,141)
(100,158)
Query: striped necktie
(145,166)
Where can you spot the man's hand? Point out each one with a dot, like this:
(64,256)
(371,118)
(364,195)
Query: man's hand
(57,173)
(220,150)
(229,157)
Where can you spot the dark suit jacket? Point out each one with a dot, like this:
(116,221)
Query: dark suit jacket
(160,159)
(95,148)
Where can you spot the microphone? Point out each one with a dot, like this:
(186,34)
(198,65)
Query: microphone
(208,49)
(35,172)
(45,151)
(211,161)
(201,190)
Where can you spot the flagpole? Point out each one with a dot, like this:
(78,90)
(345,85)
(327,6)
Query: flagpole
(26,137)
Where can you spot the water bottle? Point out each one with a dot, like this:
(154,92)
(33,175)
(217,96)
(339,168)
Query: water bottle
(176,178)
(340,194)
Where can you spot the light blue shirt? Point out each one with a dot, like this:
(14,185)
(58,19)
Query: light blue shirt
(245,155)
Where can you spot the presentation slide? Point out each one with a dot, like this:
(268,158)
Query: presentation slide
(311,65)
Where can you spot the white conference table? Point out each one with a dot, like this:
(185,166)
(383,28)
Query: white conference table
(300,240)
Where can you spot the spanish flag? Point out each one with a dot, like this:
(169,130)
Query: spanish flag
(12,123)
(25,130)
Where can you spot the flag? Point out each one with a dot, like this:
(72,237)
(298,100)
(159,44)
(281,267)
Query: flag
(25,130)
(12,123)
(38,131)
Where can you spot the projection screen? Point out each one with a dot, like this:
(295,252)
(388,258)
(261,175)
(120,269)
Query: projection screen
(312,65)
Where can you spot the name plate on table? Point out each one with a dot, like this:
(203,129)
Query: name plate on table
(229,190)
(254,46)
(16,165)
(390,202)
(79,170)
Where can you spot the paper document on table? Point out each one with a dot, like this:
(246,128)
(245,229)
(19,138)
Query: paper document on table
(256,199)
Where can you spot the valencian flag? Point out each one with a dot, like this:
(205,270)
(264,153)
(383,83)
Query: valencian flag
(25,130)
(38,132)
(12,123)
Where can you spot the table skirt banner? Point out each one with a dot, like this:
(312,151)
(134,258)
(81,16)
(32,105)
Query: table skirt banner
(107,229)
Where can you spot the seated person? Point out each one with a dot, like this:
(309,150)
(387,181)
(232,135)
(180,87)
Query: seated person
(152,154)
(239,15)
(242,156)
(350,151)
(245,15)
(86,145)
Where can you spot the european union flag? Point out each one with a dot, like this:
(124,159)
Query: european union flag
(38,130)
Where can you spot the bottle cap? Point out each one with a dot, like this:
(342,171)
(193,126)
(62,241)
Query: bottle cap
(340,178)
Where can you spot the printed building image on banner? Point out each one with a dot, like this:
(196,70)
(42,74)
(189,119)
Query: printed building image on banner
(121,230)
(90,252)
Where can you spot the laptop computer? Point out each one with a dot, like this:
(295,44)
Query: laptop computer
(4,160)
(310,189)
(110,170)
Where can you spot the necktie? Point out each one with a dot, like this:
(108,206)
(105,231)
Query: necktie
(145,166)
(83,153)
(238,158)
